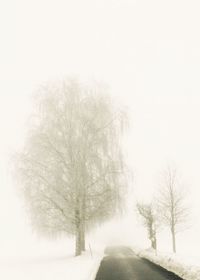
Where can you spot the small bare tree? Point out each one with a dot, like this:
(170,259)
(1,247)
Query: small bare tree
(71,168)
(147,212)
(171,201)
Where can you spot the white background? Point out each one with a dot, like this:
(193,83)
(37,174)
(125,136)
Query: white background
(149,54)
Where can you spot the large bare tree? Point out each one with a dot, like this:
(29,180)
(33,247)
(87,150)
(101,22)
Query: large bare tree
(148,215)
(172,203)
(71,167)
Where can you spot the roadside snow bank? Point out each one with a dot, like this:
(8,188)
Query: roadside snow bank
(172,263)
(96,260)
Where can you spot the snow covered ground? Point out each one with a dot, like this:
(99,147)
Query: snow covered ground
(62,268)
(50,265)
(184,266)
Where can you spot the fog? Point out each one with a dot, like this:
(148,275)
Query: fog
(148,52)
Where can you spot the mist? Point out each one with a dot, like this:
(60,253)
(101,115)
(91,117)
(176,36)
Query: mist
(148,55)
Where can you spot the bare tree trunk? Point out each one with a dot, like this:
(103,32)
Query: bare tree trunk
(83,237)
(152,236)
(83,221)
(78,233)
(78,242)
(173,239)
(154,243)
(80,238)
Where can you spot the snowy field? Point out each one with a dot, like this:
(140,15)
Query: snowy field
(62,268)
(187,267)
(50,264)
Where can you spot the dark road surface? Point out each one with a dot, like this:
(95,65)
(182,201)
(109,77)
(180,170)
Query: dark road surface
(122,264)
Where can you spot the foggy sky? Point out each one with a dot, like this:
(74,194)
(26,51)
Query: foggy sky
(149,54)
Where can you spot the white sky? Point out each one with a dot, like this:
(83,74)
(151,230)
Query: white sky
(149,54)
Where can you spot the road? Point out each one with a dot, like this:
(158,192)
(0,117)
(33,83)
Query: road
(121,263)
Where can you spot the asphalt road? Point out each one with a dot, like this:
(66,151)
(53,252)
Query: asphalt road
(122,264)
